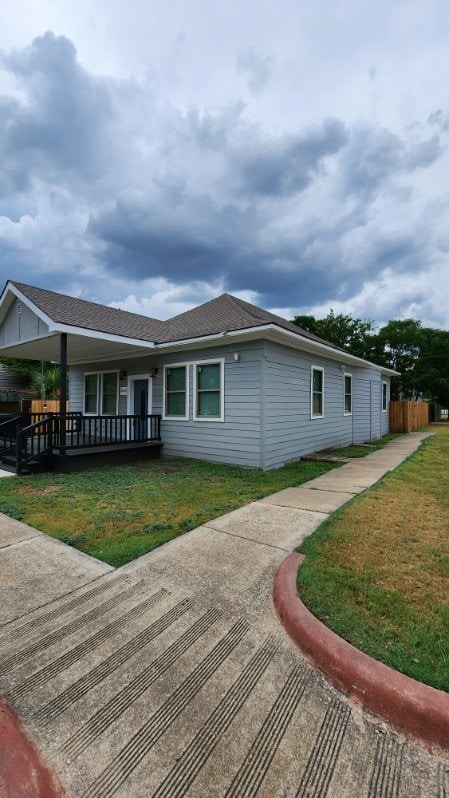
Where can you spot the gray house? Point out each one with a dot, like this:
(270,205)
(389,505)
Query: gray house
(225,382)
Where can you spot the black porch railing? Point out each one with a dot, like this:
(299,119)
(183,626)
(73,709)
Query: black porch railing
(33,436)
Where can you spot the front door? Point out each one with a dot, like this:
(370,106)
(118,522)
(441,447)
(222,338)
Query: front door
(139,407)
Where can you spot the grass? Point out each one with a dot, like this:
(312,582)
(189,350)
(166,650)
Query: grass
(119,513)
(377,571)
(366,448)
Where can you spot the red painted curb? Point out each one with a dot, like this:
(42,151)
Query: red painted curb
(408,705)
(22,773)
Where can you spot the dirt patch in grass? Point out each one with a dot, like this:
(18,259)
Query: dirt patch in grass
(377,571)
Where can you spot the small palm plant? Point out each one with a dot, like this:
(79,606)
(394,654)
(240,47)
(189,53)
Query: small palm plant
(46,382)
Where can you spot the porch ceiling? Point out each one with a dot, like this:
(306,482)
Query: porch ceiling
(80,349)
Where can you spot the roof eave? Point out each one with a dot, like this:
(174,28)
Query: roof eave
(279,334)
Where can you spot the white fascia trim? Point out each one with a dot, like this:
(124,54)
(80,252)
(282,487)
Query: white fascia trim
(55,327)
(16,291)
(102,336)
(188,342)
(314,346)
(326,350)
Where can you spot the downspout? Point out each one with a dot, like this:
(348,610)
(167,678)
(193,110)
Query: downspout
(63,393)
(262,412)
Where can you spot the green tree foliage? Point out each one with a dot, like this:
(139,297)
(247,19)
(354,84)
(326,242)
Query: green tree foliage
(420,354)
(46,382)
(43,376)
(24,368)
(398,347)
(432,368)
(354,335)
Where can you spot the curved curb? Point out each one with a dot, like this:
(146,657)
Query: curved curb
(408,705)
(22,773)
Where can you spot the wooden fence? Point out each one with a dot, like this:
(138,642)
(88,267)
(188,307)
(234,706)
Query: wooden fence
(46,406)
(406,416)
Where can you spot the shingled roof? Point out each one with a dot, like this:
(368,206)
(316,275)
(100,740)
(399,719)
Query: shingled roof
(226,313)
(64,309)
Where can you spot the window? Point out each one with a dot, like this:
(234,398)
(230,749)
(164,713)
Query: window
(384,397)
(348,394)
(317,392)
(209,398)
(101,393)
(109,394)
(175,392)
(91,393)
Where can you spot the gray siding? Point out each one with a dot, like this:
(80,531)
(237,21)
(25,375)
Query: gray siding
(236,440)
(259,433)
(290,432)
(22,326)
(370,423)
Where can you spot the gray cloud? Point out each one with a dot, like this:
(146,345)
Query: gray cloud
(62,130)
(287,165)
(100,179)
(256,68)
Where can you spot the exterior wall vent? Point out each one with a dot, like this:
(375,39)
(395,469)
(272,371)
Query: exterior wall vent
(19,306)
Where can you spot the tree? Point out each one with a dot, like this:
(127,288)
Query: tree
(398,348)
(432,368)
(43,376)
(46,382)
(354,335)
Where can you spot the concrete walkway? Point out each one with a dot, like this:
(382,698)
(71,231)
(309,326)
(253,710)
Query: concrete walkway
(172,677)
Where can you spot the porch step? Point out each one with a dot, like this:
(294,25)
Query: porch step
(35,466)
(93,456)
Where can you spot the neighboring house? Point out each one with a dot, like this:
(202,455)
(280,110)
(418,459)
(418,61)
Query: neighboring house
(13,385)
(231,382)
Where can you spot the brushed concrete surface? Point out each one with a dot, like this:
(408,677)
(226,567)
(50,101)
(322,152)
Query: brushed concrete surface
(39,569)
(13,531)
(302,498)
(172,677)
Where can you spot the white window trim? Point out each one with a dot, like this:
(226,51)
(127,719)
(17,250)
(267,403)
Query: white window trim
(312,414)
(166,417)
(347,374)
(130,388)
(99,375)
(89,374)
(196,417)
(384,409)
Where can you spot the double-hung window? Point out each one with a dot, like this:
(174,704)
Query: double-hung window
(101,393)
(348,394)
(384,397)
(176,404)
(317,392)
(209,396)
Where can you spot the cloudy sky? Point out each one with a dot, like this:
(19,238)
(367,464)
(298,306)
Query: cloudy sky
(154,154)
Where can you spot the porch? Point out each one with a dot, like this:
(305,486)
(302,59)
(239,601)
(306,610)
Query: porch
(32,442)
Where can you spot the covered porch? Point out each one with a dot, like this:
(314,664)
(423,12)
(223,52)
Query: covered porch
(68,440)
(71,442)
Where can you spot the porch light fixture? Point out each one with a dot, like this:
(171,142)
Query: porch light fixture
(154,372)
(123,375)
(236,356)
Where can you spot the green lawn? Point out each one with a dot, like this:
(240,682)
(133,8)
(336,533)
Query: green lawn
(377,572)
(118,513)
(361,451)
